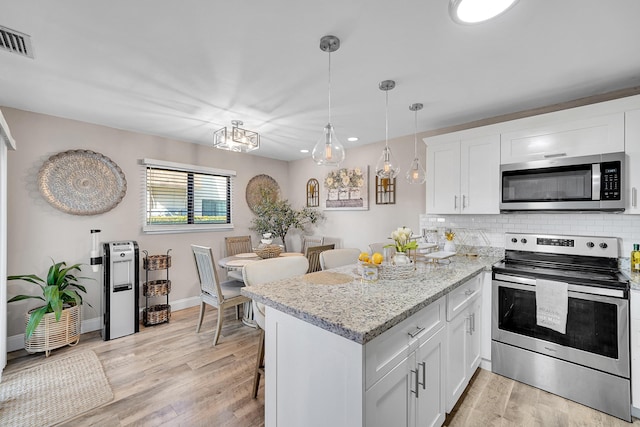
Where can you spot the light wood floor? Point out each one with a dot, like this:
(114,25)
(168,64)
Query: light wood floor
(169,375)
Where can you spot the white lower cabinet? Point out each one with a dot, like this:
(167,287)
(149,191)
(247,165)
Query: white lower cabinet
(463,343)
(634,296)
(412,393)
(410,375)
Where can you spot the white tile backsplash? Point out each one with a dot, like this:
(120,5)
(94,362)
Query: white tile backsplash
(625,227)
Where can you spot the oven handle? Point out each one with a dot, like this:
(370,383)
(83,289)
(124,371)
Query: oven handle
(616,293)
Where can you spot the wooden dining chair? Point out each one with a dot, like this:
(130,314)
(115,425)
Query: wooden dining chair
(338,257)
(309,241)
(266,271)
(212,291)
(237,245)
(313,255)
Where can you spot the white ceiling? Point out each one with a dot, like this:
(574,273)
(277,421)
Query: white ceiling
(182,69)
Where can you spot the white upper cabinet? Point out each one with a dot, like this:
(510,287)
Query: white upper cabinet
(632,149)
(463,176)
(581,137)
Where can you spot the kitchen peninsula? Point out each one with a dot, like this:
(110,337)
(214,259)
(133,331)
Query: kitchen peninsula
(341,352)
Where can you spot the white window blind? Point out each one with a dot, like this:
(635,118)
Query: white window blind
(182,198)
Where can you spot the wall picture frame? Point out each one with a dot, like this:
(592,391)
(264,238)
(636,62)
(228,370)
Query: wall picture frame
(346,189)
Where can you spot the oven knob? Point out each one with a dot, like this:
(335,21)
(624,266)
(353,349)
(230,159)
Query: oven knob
(523,241)
(514,240)
(590,244)
(604,245)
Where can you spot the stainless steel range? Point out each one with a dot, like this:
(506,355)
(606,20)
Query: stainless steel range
(560,319)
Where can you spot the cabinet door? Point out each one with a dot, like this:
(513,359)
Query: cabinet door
(632,149)
(474,344)
(634,296)
(390,401)
(480,175)
(431,370)
(443,178)
(559,138)
(457,331)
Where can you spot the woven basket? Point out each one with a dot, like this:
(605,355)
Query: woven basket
(396,272)
(50,334)
(268,251)
(154,288)
(155,314)
(156,262)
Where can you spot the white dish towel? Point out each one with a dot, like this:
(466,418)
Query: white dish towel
(552,300)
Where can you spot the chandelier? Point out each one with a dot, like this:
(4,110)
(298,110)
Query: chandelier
(238,139)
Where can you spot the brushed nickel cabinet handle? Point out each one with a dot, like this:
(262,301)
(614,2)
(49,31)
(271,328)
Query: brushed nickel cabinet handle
(415,332)
(424,375)
(417,390)
(455,202)
(551,156)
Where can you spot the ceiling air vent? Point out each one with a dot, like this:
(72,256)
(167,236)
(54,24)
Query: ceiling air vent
(16,42)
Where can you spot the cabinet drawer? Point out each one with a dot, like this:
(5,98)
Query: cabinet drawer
(387,350)
(459,298)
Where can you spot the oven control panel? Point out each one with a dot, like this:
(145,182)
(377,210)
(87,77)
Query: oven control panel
(572,245)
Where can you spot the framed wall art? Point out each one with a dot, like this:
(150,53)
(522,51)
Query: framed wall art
(346,189)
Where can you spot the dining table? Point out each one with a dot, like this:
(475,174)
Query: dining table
(238,261)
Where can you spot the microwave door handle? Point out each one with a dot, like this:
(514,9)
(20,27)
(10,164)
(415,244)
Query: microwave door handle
(595,181)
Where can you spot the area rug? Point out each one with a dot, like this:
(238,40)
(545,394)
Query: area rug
(53,391)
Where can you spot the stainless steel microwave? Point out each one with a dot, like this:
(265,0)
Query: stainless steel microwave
(588,183)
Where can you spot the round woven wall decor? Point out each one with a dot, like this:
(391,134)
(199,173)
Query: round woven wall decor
(261,186)
(81,182)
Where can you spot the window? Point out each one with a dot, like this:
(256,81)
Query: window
(182,198)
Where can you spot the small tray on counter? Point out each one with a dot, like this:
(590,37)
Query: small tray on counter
(439,255)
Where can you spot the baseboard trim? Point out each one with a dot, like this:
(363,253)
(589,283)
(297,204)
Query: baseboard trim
(16,342)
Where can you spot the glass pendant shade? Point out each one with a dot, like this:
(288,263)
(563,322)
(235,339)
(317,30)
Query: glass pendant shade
(416,173)
(328,151)
(387,166)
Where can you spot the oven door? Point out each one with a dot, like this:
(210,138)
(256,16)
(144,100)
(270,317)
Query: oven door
(597,334)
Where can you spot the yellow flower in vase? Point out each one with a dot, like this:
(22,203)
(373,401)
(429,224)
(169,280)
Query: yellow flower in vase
(449,235)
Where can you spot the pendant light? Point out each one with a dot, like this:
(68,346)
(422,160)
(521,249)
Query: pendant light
(328,151)
(416,173)
(387,166)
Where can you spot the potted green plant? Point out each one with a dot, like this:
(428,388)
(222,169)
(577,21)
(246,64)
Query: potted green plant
(57,322)
(278,217)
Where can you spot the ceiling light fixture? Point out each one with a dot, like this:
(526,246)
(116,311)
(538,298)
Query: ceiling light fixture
(416,173)
(387,166)
(475,11)
(239,140)
(328,151)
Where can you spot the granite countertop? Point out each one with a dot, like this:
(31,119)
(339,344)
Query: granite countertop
(361,311)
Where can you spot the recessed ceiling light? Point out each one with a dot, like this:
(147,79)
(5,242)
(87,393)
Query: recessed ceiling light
(474,11)
(352,139)
(304,151)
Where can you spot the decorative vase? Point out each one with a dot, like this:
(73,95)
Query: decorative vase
(343,193)
(354,193)
(401,258)
(449,246)
(333,194)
